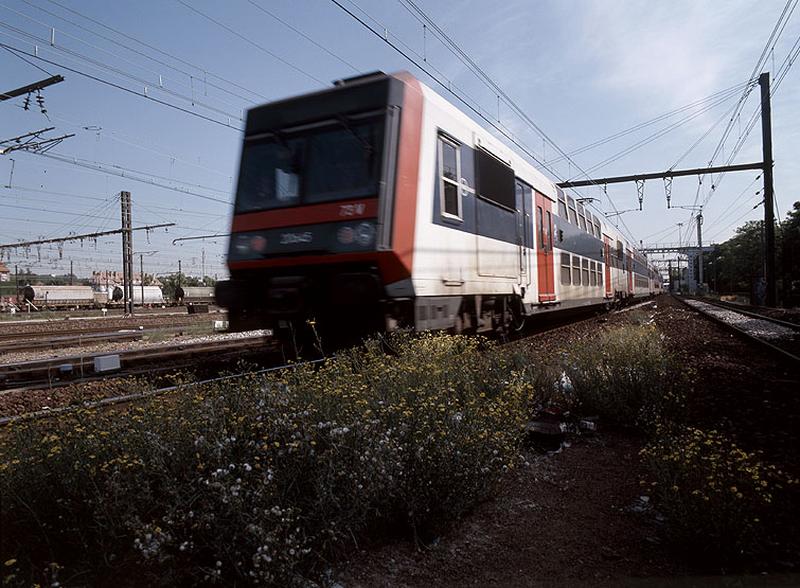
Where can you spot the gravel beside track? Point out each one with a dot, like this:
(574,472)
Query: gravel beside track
(12,329)
(105,346)
(784,336)
(144,359)
(789,315)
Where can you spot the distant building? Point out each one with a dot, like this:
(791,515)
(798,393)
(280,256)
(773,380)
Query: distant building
(5,273)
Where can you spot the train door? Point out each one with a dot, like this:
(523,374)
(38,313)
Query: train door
(607,250)
(544,248)
(524,232)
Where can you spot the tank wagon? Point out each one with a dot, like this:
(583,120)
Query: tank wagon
(52,297)
(194,294)
(153,296)
(377,204)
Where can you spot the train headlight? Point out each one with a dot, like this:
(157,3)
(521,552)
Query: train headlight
(345,235)
(242,245)
(258,244)
(365,234)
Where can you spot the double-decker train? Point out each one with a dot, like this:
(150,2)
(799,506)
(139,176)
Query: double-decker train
(377,204)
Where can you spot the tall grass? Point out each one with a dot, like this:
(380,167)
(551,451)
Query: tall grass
(264,479)
(627,377)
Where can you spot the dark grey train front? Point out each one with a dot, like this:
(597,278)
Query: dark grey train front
(313,220)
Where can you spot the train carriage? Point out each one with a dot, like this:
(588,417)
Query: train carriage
(377,204)
(55,297)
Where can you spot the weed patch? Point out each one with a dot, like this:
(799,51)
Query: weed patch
(720,499)
(626,376)
(263,479)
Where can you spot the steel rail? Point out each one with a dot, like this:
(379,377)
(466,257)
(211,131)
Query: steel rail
(781,353)
(125,398)
(736,308)
(158,391)
(14,371)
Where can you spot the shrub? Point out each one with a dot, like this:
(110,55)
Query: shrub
(260,479)
(718,498)
(626,376)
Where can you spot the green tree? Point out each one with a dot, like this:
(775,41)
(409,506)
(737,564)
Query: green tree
(790,250)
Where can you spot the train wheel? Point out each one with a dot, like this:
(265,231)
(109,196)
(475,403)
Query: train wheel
(516,314)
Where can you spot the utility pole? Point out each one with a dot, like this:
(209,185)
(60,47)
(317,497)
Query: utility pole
(669,273)
(127,252)
(141,274)
(16,280)
(769,207)
(203,265)
(700,250)
(179,273)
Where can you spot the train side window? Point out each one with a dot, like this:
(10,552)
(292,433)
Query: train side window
(573,217)
(549,230)
(562,208)
(495,180)
(576,271)
(450,165)
(540,220)
(585,272)
(582,221)
(565,269)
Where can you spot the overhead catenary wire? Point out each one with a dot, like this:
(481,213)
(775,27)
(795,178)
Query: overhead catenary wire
(460,54)
(161,84)
(384,36)
(131,175)
(599,142)
(180,60)
(775,34)
(255,44)
(147,85)
(100,198)
(123,88)
(116,41)
(304,35)
(28,61)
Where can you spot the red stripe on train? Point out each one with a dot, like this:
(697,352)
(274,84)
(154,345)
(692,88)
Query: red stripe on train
(306,215)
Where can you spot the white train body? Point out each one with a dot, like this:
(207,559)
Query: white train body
(456,230)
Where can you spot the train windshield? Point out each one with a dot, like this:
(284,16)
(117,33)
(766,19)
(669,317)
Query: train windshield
(335,162)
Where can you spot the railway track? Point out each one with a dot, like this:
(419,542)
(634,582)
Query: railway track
(10,333)
(755,311)
(235,348)
(780,338)
(49,341)
(11,343)
(78,368)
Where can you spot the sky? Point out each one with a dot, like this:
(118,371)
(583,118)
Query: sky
(156,93)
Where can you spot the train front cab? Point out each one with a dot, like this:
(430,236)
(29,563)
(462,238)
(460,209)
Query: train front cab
(325,205)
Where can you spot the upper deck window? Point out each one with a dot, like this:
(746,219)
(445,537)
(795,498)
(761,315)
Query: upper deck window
(336,162)
(562,203)
(573,217)
(450,166)
(495,180)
